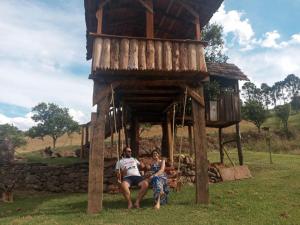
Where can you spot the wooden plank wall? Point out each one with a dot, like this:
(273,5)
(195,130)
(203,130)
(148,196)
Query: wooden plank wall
(134,54)
(228,108)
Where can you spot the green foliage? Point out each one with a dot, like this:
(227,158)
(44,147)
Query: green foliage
(53,121)
(292,84)
(13,134)
(251,92)
(265,93)
(254,112)
(295,103)
(212,33)
(212,90)
(283,113)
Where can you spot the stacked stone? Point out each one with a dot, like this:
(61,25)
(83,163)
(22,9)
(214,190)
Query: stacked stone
(74,178)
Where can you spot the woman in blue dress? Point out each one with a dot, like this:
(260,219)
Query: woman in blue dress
(158,180)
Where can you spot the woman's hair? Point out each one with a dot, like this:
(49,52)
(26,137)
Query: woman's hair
(155,151)
(125,148)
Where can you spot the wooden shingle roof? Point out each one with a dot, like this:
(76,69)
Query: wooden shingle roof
(226,70)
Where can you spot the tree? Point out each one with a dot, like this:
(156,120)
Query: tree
(254,112)
(10,138)
(53,121)
(266,94)
(212,33)
(292,85)
(251,92)
(295,103)
(283,113)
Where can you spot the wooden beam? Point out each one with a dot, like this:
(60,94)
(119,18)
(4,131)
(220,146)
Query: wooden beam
(173,22)
(239,145)
(195,96)
(164,17)
(221,146)
(102,90)
(191,146)
(99,15)
(96,160)
(147,5)
(170,137)
(202,189)
(134,137)
(82,142)
(197,29)
(188,8)
(103,3)
(149,19)
(147,98)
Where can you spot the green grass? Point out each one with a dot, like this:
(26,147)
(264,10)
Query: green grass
(274,123)
(271,197)
(36,157)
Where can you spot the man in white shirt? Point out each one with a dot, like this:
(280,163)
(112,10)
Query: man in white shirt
(128,166)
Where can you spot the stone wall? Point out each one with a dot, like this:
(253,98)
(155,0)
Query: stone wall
(42,177)
(74,178)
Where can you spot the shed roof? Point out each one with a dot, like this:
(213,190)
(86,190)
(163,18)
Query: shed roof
(226,70)
(127,17)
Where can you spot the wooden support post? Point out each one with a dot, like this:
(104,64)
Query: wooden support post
(149,20)
(87,140)
(82,142)
(170,138)
(119,140)
(164,141)
(238,144)
(221,146)
(87,135)
(191,140)
(202,192)
(99,15)
(134,137)
(126,136)
(197,29)
(96,160)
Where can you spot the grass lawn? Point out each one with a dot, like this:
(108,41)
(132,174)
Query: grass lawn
(36,157)
(271,197)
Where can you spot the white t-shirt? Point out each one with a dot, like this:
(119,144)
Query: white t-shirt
(131,165)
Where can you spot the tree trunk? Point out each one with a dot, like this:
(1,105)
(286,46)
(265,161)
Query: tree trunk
(54,142)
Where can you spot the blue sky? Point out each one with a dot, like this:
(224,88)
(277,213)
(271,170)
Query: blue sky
(42,51)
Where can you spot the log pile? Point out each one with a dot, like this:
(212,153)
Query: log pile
(214,174)
(187,173)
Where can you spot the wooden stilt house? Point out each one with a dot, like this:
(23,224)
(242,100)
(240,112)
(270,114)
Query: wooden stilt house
(148,55)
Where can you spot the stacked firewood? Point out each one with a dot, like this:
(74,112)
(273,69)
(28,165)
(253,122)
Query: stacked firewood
(186,173)
(213,174)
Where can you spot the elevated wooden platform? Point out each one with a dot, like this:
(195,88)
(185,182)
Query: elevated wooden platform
(135,58)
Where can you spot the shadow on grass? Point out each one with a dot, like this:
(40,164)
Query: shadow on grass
(38,204)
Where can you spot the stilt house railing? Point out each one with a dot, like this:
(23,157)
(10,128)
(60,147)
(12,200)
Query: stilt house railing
(129,54)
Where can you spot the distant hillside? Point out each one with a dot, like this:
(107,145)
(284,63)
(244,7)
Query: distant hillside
(246,127)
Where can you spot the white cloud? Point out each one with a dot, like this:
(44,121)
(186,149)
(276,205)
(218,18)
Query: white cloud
(40,47)
(79,116)
(23,123)
(268,65)
(264,59)
(296,38)
(234,23)
(270,40)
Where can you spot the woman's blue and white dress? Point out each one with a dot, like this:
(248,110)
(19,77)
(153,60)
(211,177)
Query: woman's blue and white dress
(159,184)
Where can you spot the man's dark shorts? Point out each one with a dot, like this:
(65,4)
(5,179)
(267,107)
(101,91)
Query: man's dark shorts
(133,180)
